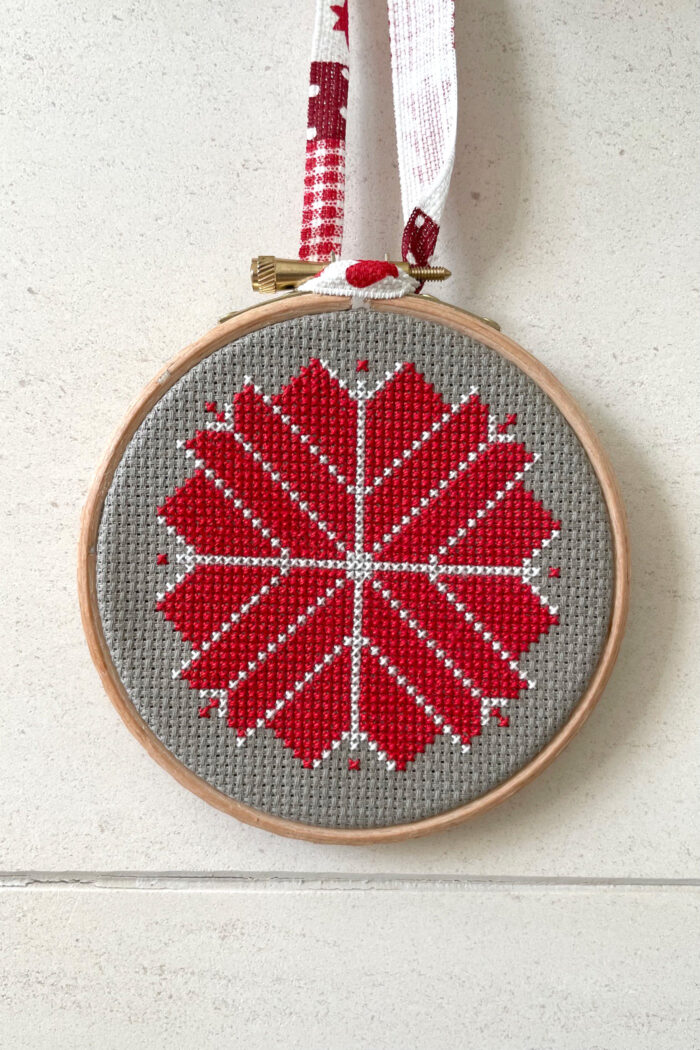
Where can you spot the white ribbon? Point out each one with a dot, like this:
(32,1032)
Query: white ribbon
(424,75)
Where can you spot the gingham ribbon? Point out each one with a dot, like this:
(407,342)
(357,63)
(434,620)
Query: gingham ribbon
(424,75)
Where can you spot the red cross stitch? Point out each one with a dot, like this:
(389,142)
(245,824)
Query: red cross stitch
(357,566)
(509,421)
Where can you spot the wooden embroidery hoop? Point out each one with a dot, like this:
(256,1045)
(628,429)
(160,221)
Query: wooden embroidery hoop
(242,324)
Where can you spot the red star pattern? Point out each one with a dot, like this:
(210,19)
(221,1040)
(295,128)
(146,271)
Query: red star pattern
(341,13)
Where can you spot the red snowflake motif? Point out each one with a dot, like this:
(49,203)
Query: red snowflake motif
(357,565)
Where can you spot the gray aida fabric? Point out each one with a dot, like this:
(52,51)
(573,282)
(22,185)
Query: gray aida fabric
(355,569)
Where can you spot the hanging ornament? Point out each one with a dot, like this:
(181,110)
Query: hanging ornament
(355,566)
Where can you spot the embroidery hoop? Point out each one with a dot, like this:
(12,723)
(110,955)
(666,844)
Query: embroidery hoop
(270,313)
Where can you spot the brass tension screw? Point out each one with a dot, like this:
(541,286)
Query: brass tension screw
(269,274)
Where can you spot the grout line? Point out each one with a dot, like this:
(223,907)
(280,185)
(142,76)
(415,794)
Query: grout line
(305,881)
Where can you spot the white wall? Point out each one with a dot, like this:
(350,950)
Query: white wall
(148,151)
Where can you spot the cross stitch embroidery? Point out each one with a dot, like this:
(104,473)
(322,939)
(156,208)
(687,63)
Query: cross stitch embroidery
(357,565)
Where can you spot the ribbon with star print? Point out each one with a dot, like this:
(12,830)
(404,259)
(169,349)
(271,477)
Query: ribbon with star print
(424,76)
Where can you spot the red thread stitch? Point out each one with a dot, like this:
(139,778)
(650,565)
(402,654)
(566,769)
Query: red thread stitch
(362,566)
(212,705)
(509,421)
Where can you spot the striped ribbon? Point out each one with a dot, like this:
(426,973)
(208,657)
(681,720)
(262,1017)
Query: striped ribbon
(424,76)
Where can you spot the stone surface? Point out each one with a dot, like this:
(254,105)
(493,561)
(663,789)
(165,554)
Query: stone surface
(562,968)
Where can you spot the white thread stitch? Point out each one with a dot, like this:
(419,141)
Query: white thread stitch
(432,568)
(242,560)
(494,436)
(298,687)
(486,635)
(553,609)
(389,375)
(284,636)
(187,558)
(333,373)
(431,643)
(487,705)
(304,438)
(229,494)
(226,626)
(427,500)
(361,570)
(403,681)
(284,485)
(488,506)
(419,442)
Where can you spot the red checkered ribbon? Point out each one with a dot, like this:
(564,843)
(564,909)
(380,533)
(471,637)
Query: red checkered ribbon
(424,77)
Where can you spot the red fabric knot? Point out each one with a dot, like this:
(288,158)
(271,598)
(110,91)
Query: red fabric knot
(368,271)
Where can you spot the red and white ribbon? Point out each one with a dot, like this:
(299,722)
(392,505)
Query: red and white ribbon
(324,179)
(424,77)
